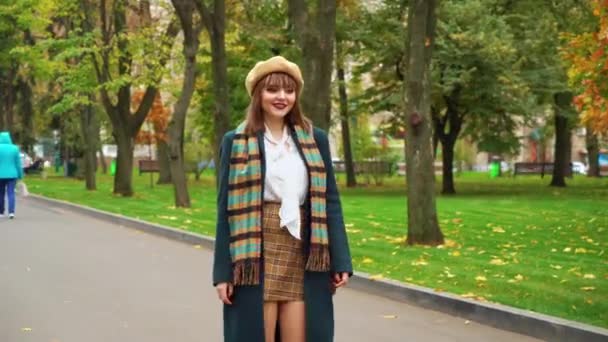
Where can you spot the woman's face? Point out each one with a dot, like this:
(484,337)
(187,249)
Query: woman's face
(277,101)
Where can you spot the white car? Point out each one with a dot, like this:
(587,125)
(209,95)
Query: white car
(579,167)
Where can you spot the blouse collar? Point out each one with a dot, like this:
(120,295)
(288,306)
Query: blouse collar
(268,135)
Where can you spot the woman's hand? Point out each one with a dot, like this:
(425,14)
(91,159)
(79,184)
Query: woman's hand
(224,292)
(340,279)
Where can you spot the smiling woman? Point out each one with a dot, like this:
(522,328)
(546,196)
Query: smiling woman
(281,249)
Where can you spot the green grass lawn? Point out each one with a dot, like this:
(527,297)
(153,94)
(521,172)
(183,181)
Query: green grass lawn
(513,241)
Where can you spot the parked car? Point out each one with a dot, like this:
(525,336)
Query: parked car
(579,167)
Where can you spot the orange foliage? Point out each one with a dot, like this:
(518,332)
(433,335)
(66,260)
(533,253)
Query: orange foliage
(587,55)
(158,118)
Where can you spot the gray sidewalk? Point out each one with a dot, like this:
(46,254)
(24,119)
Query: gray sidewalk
(65,277)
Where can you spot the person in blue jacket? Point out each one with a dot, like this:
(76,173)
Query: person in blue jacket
(10,172)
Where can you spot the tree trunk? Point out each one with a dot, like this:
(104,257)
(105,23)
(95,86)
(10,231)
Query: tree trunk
(215,25)
(447,156)
(315,34)
(452,120)
(124,164)
(176,127)
(562,139)
(88,125)
(164,162)
(351,181)
(27,115)
(423,226)
(593,151)
(102,158)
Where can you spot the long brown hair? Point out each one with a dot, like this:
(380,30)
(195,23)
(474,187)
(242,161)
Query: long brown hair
(255,114)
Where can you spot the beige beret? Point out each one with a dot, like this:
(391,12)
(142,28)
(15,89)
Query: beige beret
(274,64)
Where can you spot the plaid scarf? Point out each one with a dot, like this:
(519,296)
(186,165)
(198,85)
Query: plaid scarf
(245,202)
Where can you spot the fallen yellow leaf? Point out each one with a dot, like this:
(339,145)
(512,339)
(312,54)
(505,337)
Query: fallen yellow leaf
(26,329)
(367,261)
(519,277)
(589,276)
(197,246)
(480,278)
(376,277)
(498,230)
(588,288)
(567,249)
(419,262)
(498,262)
(389,316)
(449,243)
(455,253)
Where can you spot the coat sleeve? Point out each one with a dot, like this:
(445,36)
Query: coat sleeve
(222,262)
(338,241)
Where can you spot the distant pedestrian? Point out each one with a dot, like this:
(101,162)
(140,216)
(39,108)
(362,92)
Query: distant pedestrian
(281,249)
(10,172)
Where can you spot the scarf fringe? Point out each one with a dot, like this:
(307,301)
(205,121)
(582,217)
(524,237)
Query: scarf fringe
(246,272)
(318,258)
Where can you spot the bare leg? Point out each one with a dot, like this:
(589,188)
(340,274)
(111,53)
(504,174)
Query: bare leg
(271,311)
(292,319)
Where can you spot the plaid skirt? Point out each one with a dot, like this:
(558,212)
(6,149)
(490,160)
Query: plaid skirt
(284,259)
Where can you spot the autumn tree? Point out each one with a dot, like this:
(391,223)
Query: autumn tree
(587,54)
(120,47)
(155,133)
(587,57)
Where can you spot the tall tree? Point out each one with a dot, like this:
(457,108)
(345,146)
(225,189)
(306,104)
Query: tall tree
(539,28)
(314,25)
(214,20)
(423,226)
(185,10)
(125,122)
(345,17)
(477,86)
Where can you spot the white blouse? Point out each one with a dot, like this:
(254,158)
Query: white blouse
(286,179)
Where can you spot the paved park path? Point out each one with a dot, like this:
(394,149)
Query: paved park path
(65,277)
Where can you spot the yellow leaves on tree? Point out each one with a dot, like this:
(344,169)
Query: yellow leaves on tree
(157,120)
(587,56)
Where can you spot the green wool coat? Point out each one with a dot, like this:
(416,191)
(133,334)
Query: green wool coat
(244,319)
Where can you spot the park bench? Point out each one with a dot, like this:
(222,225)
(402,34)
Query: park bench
(534,168)
(148,165)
